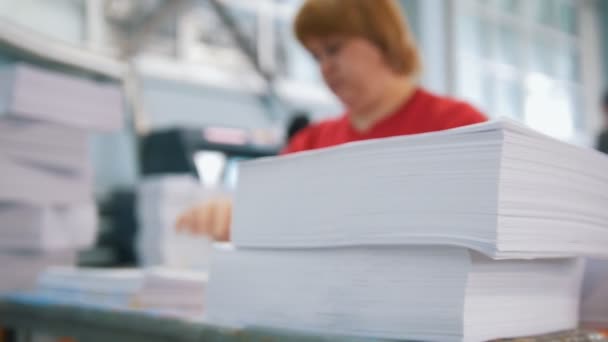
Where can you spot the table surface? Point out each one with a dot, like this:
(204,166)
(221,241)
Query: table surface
(31,313)
(91,324)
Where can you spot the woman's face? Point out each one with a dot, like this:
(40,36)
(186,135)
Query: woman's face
(353,68)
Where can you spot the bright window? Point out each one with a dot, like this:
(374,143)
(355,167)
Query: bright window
(521,59)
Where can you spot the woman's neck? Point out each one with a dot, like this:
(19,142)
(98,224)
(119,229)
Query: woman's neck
(396,92)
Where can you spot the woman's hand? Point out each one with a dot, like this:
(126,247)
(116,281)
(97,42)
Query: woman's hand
(211,218)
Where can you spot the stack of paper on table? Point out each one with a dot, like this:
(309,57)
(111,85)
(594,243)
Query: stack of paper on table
(31,92)
(45,120)
(160,200)
(158,290)
(470,234)
(495,187)
(29,182)
(173,291)
(402,292)
(21,268)
(45,143)
(28,227)
(111,288)
(46,177)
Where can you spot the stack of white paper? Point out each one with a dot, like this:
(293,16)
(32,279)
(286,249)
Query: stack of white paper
(495,187)
(160,200)
(31,92)
(45,143)
(28,227)
(46,177)
(20,269)
(414,293)
(45,120)
(594,300)
(173,291)
(30,182)
(470,234)
(159,290)
(91,287)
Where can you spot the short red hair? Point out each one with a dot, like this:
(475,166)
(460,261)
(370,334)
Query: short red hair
(379,21)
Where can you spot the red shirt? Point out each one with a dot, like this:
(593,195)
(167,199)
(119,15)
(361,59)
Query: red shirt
(423,112)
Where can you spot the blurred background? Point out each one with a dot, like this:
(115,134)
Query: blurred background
(208,83)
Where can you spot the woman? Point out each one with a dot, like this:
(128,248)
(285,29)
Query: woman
(368,59)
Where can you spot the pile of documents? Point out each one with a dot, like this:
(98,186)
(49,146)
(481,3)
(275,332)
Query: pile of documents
(35,93)
(90,287)
(157,290)
(47,228)
(173,291)
(399,292)
(160,200)
(43,163)
(46,178)
(22,267)
(469,234)
(496,187)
